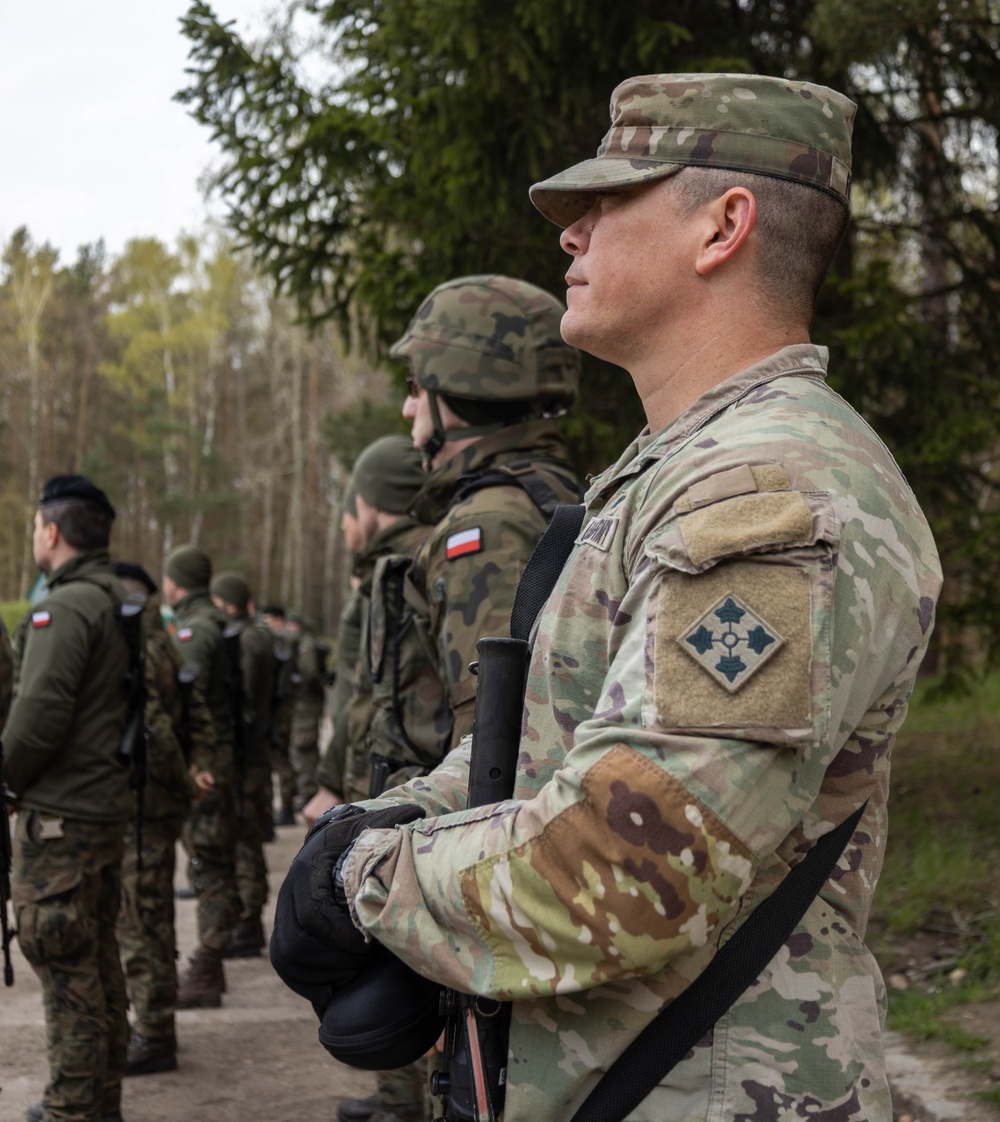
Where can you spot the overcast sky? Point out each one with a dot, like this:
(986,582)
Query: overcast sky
(91,144)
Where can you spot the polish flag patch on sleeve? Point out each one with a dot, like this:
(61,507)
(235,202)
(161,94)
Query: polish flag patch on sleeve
(41,619)
(184,634)
(468,541)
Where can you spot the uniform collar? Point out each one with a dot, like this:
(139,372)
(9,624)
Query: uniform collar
(79,565)
(536,439)
(804,360)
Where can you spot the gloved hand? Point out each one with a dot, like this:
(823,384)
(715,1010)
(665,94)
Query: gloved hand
(315,947)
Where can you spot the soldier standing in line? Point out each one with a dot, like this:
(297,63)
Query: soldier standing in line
(231,595)
(282,711)
(719,674)
(387,477)
(489,372)
(307,710)
(330,773)
(179,749)
(209,834)
(6,673)
(62,762)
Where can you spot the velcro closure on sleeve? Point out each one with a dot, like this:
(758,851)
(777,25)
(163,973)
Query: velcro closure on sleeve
(746,523)
(741,480)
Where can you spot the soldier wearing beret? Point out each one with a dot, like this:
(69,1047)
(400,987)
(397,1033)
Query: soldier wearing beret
(231,595)
(61,761)
(209,834)
(179,750)
(717,678)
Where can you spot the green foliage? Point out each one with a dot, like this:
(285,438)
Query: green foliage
(349,432)
(404,160)
(12,612)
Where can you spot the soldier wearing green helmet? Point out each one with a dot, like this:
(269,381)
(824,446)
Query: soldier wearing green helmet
(488,373)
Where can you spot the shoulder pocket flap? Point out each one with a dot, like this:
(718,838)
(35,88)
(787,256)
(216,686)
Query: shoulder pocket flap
(760,522)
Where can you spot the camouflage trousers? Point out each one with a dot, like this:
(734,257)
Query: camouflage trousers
(254,829)
(303,749)
(67,892)
(146,930)
(209,838)
(281,765)
(407,1087)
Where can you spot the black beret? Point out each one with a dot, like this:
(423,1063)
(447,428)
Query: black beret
(129,570)
(74,489)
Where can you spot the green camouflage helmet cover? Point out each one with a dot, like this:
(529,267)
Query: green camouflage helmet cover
(661,123)
(491,338)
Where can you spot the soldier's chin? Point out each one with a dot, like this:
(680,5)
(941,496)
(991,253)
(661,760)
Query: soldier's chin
(388,1017)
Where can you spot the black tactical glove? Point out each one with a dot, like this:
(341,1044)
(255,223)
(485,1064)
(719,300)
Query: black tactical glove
(315,947)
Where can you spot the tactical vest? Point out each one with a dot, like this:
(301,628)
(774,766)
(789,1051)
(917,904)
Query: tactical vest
(410,727)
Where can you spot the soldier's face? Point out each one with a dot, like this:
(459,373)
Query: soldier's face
(417,410)
(629,252)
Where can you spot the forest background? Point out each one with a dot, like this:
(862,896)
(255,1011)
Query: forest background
(220,388)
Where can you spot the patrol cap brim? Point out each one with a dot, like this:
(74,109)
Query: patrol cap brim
(566,197)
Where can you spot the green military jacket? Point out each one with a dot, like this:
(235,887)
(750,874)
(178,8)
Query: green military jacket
(331,767)
(169,788)
(467,570)
(716,681)
(257,666)
(400,540)
(199,641)
(310,688)
(62,739)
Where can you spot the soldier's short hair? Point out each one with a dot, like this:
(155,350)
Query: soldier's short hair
(83,525)
(799,230)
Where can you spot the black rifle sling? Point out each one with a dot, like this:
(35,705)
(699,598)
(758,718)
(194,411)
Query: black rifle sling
(737,964)
(543,568)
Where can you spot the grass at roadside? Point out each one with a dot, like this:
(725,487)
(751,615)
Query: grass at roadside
(936,921)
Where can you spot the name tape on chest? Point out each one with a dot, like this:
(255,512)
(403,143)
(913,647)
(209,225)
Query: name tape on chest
(599,532)
(41,619)
(468,541)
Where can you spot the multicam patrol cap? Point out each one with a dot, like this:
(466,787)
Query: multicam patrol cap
(491,338)
(661,123)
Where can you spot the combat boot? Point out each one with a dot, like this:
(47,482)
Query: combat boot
(398,1114)
(358,1110)
(36,1112)
(203,983)
(148,1054)
(246,941)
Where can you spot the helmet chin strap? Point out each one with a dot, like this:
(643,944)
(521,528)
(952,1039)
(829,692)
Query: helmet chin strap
(440,436)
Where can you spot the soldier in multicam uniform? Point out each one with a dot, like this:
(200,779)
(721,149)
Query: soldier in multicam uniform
(231,595)
(720,672)
(61,761)
(147,933)
(489,371)
(209,834)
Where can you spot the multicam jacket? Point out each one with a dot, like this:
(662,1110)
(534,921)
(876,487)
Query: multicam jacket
(716,681)
(63,735)
(467,570)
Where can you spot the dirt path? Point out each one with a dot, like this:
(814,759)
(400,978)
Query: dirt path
(254,1060)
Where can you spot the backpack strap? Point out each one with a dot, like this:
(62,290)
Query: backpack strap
(737,964)
(526,475)
(544,566)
